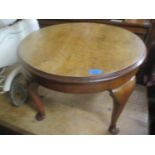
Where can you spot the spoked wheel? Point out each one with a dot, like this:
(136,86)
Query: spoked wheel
(18,92)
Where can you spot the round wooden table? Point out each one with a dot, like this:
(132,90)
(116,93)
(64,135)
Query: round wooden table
(83,58)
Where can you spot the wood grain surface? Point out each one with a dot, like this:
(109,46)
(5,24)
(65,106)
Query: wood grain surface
(76,49)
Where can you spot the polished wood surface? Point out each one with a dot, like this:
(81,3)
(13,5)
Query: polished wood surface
(61,58)
(75,49)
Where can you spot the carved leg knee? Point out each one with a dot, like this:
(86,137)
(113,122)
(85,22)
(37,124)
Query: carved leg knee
(120,97)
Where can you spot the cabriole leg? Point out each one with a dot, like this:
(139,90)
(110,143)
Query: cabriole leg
(33,90)
(120,97)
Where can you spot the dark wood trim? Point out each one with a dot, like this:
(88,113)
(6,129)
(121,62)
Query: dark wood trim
(80,85)
(80,80)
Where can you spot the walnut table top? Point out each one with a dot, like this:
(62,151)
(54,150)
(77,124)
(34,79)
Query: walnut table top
(82,49)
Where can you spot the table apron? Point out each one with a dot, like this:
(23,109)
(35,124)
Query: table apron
(89,87)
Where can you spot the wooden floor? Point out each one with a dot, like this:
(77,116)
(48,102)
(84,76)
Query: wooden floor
(76,114)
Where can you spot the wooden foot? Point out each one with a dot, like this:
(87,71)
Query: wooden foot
(40,116)
(113,131)
(120,97)
(33,90)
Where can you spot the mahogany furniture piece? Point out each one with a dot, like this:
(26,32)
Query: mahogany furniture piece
(83,58)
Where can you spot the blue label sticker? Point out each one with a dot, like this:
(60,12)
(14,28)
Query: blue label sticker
(95,71)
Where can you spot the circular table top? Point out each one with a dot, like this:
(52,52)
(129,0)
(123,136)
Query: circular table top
(82,49)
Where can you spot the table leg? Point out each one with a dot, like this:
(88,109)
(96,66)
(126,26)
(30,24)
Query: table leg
(120,97)
(33,90)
